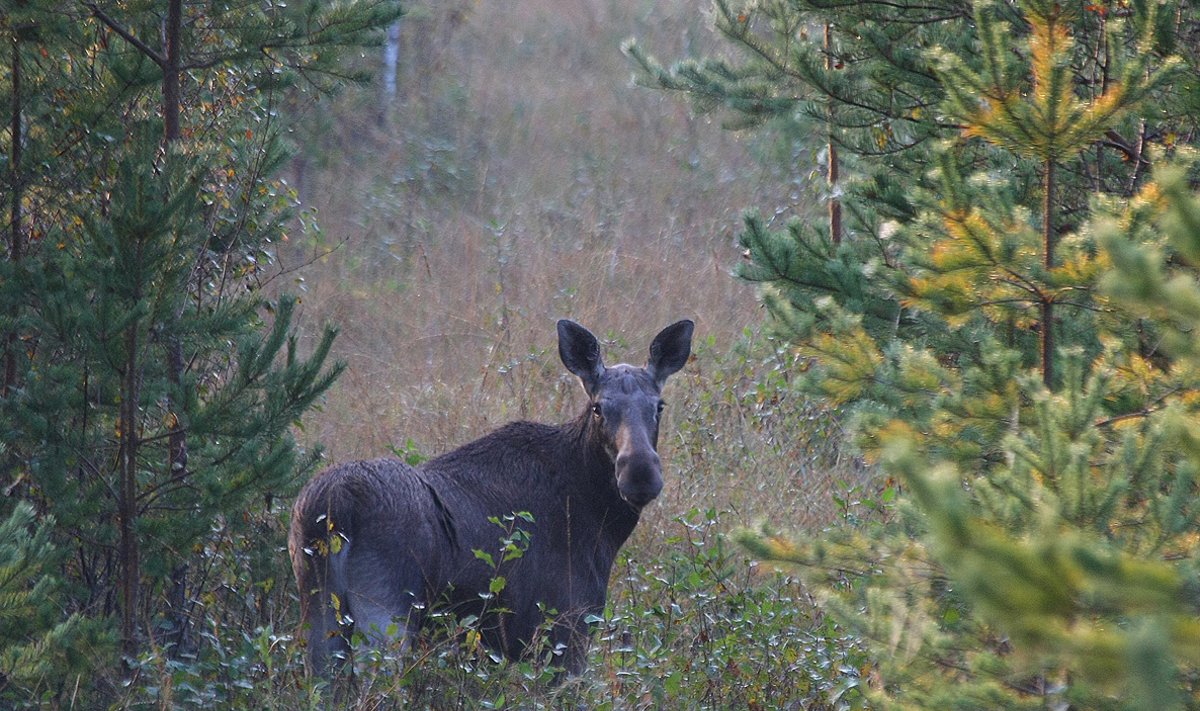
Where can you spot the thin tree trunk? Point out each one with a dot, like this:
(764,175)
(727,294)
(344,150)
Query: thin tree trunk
(170,69)
(1049,243)
(391,65)
(177,443)
(16,246)
(177,454)
(170,61)
(129,549)
(835,202)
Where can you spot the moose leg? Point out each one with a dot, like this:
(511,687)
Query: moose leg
(380,625)
(572,634)
(324,635)
(381,603)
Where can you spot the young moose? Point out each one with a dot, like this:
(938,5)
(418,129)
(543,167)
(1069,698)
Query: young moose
(376,543)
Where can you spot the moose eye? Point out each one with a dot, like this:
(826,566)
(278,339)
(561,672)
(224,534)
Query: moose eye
(596,409)
(661,406)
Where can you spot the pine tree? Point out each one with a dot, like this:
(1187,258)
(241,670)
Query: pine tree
(883,95)
(1063,571)
(150,384)
(1038,424)
(853,73)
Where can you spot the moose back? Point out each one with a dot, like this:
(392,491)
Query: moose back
(376,544)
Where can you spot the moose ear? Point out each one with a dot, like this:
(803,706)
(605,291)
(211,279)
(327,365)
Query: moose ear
(580,352)
(670,350)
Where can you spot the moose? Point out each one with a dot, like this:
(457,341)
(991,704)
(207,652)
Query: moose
(376,545)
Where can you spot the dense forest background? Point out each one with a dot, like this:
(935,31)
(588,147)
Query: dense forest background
(940,256)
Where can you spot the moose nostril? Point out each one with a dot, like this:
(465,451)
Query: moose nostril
(637,461)
(639,477)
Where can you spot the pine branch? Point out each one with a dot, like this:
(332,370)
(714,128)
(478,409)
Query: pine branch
(125,34)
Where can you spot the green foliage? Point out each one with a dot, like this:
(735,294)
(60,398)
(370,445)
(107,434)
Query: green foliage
(702,629)
(1037,424)
(1037,111)
(246,387)
(695,627)
(150,386)
(43,651)
(872,91)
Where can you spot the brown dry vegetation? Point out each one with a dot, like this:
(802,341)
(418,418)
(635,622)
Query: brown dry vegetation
(521,177)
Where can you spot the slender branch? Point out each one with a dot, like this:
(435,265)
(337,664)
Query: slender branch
(894,5)
(1083,306)
(1154,406)
(126,35)
(1014,301)
(316,257)
(170,67)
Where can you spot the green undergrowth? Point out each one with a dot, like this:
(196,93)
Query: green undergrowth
(697,626)
(692,621)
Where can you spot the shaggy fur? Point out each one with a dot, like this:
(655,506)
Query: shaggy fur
(376,543)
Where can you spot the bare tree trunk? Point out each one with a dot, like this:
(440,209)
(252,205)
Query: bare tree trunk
(835,202)
(177,444)
(391,65)
(177,454)
(16,244)
(1049,244)
(170,69)
(170,62)
(128,547)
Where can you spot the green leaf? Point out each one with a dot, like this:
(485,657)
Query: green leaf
(497,584)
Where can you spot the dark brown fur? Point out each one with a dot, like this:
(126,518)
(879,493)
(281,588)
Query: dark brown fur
(375,543)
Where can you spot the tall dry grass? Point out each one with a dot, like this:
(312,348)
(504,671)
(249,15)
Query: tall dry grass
(521,177)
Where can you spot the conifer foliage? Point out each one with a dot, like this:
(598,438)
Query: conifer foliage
(149,383)
(1012,340)
(1033,112)
(37,641)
